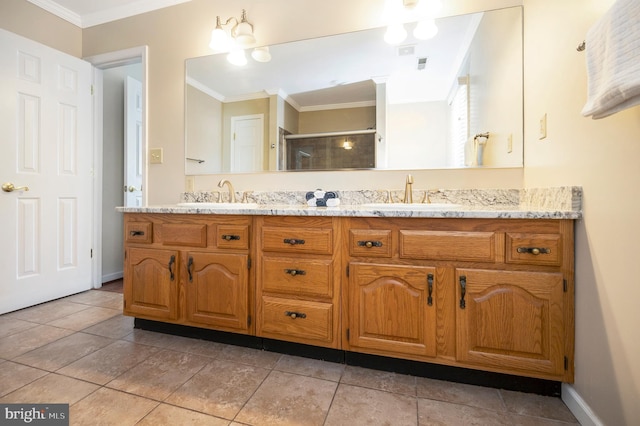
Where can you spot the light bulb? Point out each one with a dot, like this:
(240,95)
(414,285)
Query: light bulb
(237,57)
(219,39)
(261,54)
(395,34)
(425,30)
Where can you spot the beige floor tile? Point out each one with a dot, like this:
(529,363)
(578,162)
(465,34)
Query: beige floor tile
(289,399)
(13,376)
(28,340)
(355,406)
(64,351)
(116,327)
(109,407)
(256,357)
(80,320)
(48,312)
(221,388)
(169,415)
(537,405)
(9,326)
(51,389)
(476,396)
(160,374)
(382,380)
(310,367)
(432,412)
(102,299)
(106,364)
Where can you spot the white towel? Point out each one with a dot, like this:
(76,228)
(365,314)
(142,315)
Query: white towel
(613,60)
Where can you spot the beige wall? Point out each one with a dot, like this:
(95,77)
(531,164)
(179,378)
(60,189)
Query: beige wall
(337,120)
(28,20)
(602,156)
(204,132)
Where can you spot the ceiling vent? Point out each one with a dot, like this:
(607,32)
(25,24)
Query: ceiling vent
(422,63)
(407,50)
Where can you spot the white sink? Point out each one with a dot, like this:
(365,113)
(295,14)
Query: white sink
(411,206)
(220,205)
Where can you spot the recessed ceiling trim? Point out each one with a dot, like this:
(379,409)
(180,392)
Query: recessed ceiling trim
(105,15)
(59,11)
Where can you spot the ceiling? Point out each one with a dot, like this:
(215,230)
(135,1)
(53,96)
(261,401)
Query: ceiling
(87,13)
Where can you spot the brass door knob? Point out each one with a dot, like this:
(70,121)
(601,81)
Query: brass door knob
(130,189)
(9,187)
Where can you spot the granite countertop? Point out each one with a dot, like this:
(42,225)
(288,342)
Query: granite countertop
(536,203)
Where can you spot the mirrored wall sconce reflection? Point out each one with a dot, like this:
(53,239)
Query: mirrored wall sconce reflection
(421,11)
(236,40)
(347,144)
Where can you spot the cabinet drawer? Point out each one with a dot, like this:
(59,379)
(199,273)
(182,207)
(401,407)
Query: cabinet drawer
(534,249)
(370,242)
(233,236)
(301,319)
(139,232)
(305,277)
(183,234)
(449,245)
(298,240)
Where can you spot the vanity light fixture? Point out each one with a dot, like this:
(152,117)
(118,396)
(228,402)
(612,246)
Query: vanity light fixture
(236,40)
(421,10)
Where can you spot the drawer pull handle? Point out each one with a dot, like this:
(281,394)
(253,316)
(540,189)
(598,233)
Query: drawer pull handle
(369,244)
(463,291)
(294,315)
(228,237)
(534,250)
(189,266)
(293,241)
(294,272)
(136,233)
(172,262)
(430,287)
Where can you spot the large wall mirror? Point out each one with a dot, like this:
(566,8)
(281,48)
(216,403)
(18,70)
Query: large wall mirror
(352,101)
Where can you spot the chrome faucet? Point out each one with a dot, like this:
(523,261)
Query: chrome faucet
(232,192)
(408,190)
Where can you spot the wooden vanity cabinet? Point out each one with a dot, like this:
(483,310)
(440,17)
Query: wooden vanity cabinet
(298,279)
(500,292)
(189,270)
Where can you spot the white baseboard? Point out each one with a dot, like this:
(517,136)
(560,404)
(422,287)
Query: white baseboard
(579,407)
(110,277)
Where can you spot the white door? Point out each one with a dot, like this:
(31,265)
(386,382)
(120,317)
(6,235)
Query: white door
(47,146)
(247,139)
(132,143)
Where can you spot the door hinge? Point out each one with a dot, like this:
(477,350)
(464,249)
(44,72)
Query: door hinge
(347,271)
(92,253)
(348,334)
(565,286)
(248,320)
(249,263)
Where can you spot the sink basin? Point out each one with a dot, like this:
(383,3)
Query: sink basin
(220,205)
(411,206)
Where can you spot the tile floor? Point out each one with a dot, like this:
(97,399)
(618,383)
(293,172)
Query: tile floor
(81,350)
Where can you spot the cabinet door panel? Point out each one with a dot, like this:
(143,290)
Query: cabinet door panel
(151,283)
(389,309)
(217,289)
(511,320)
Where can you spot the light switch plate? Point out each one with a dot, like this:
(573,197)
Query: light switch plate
(155,156)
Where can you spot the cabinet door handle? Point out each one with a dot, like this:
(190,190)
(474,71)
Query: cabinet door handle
(136,233)
(534,250)
(430,287)
(293,241)
(294,315)
(463,291)
(369,244)
(294,272)
(172,262)
(230,237)
(189,266)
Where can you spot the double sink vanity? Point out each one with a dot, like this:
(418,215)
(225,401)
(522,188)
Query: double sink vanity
(479,279)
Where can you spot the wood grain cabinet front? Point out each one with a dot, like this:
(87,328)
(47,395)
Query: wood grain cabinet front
(298,280)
